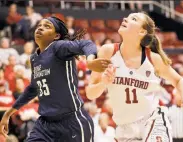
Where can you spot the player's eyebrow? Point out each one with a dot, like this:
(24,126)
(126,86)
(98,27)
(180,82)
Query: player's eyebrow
(135,16)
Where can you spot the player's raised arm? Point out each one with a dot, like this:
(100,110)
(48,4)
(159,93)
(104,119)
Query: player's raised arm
(167,72)
(98,81)
(67,49)
(163,68)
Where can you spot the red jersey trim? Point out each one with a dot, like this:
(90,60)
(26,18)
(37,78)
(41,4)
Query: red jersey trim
(116,48)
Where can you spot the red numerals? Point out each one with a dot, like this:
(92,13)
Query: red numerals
(128,96)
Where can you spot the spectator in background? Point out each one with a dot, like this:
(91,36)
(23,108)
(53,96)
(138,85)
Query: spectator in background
(28,49)
(2,79)
(179,8)
(93,111)
(28,70)
(103,132)
(106,108)
(6,51)
(69,24)
(27,25)
(13,16)
(6,97)
(138,3)
(180,58)
(176,119)
(19,88)
(52,12)
(32,16)
(2,65)
(82,81)
(20,73)
(9,71)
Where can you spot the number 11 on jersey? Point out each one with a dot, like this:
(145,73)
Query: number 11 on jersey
(128,96)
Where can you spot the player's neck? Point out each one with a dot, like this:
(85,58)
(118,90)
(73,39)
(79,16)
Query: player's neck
(130,49)
(43,46)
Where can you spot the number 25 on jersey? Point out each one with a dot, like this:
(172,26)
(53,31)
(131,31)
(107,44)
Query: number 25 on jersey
(43,87)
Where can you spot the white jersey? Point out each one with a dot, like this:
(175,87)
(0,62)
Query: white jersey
(131,95)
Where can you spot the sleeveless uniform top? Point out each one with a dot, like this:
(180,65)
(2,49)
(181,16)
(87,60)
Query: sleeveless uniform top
(132,93)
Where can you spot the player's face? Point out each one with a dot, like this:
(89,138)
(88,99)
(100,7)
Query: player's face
(45,31)
(132,25)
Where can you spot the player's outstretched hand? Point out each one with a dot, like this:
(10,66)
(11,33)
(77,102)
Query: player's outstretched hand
(109,74)
(98,65)
(4,126)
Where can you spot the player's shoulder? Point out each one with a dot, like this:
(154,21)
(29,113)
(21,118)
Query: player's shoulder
(107,50)
(155,57)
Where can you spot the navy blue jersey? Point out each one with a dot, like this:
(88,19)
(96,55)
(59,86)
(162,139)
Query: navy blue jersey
(54,77)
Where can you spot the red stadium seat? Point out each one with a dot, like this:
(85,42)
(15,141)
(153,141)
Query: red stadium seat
(113,24)
(81,23)
(98,24)
(100,36)
(114,36)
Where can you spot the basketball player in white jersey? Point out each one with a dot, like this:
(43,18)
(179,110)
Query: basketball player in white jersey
(133,79)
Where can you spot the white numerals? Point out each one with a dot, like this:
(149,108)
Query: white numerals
(43,87)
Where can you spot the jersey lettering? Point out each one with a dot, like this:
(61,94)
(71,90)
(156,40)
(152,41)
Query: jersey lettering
(131,82)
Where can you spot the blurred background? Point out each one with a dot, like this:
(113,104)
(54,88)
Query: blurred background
(18,19)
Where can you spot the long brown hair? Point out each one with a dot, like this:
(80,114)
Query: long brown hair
(151,41)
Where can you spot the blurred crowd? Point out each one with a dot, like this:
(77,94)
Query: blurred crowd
(17,45)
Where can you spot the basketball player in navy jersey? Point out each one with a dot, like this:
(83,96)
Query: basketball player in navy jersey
(54,81)
(133,79)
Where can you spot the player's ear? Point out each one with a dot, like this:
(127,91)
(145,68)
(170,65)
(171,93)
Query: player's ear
(142,32)
(57,37)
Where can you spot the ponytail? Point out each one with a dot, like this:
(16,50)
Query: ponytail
(77,36)
(156,47)
(151,40)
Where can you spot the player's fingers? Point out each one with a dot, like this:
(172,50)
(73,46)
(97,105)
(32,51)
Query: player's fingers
(104,65)
(107,75)
(105,61)
(6,128)
(109,71)
(110,66)
(3,131)
(114,69)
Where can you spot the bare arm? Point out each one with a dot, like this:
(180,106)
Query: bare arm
(96,86)
(168,73)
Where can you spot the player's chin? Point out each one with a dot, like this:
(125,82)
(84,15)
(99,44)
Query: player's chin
(122,30)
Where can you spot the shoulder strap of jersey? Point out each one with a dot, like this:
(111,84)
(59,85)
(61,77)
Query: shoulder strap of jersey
(148,54)
(116,48)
